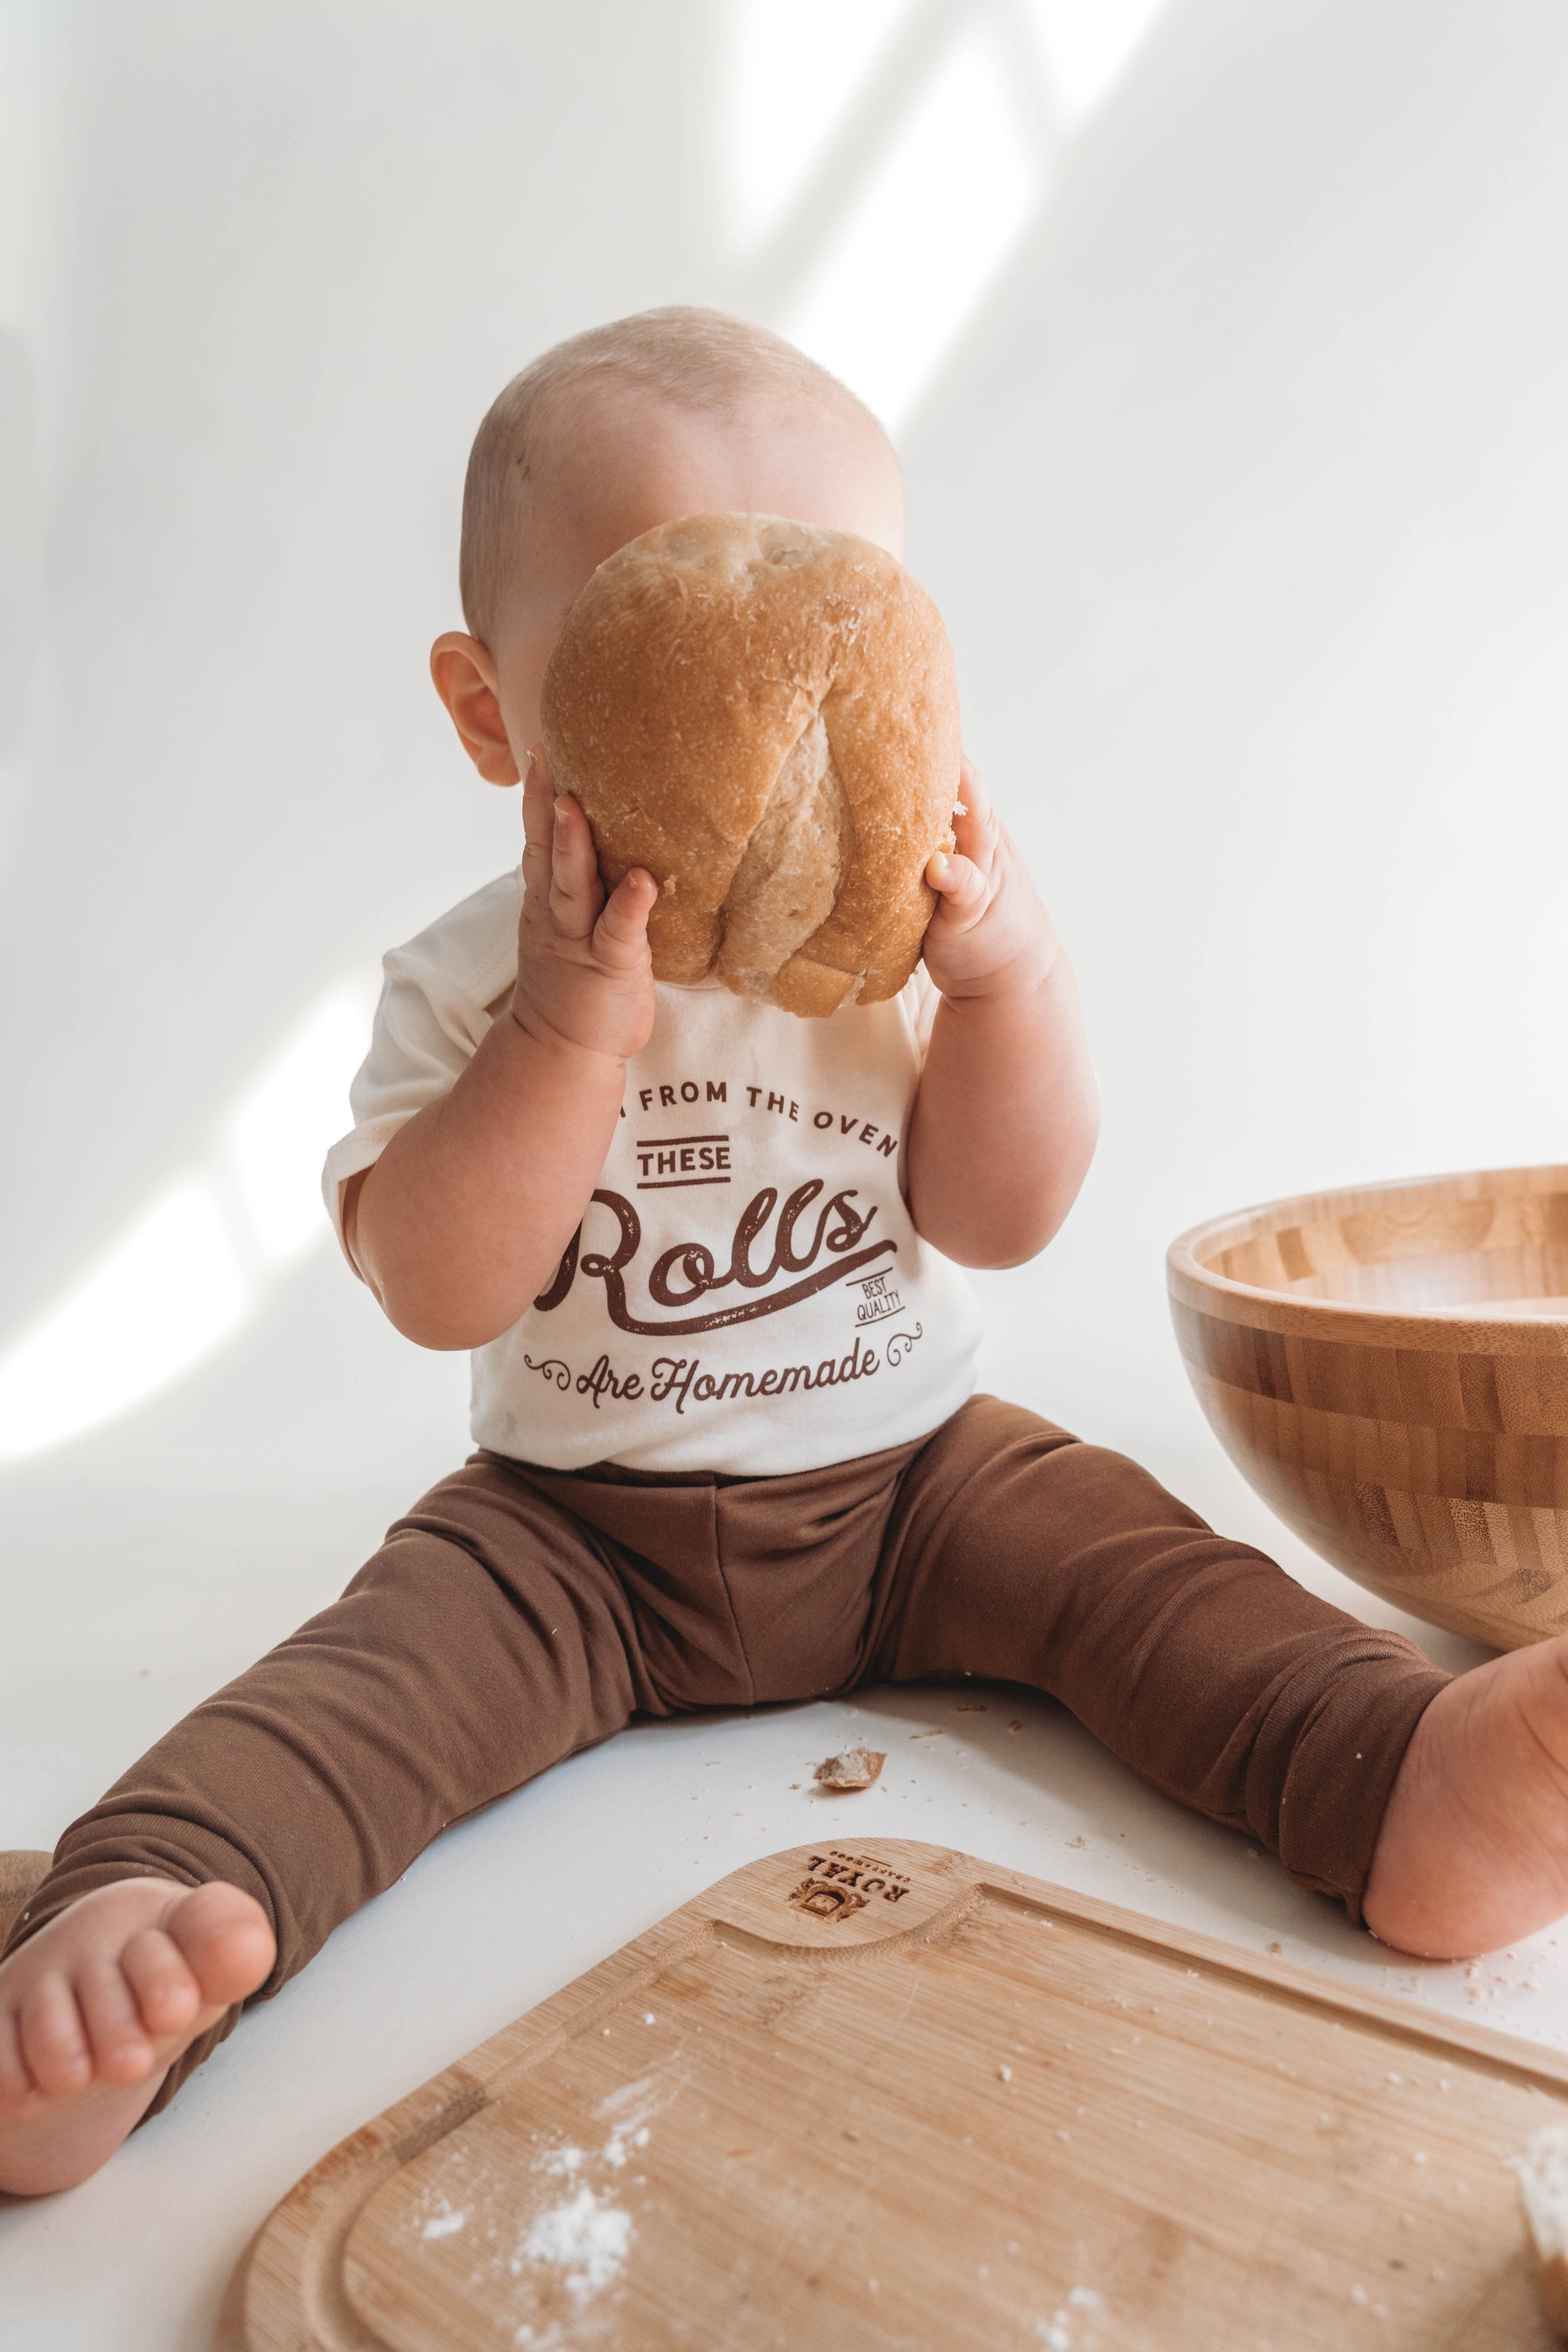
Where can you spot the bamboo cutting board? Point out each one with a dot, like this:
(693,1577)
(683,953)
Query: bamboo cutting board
(897,2100)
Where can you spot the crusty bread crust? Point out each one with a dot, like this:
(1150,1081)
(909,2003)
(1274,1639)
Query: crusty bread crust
(765,717)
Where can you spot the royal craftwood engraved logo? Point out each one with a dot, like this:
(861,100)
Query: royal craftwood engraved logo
(838,1883)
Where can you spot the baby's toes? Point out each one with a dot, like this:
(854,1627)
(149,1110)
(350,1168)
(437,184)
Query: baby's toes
(17,2090)
(226,1941)
(53,2041)
(163,1988)
(121,2052)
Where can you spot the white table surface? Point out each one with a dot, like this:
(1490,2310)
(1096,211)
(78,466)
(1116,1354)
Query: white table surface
(125,1608)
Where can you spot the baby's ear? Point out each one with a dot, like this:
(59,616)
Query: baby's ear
(465,674)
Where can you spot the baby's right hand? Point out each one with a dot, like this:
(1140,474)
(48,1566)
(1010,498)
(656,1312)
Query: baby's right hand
(585,975)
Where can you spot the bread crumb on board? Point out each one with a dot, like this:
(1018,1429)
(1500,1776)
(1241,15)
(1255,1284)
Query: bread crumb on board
(856,1769)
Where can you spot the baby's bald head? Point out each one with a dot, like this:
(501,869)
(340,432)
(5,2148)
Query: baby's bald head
(671,413)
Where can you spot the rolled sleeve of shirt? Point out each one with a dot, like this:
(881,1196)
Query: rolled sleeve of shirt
(438,997)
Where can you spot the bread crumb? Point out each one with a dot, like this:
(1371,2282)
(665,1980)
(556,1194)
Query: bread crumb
(1016,1724)
(856,1769)
(666,887)
(1006,2072)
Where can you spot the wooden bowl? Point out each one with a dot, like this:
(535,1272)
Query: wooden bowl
(1389,1368)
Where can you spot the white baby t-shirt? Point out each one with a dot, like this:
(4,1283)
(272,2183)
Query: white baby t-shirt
(746,1292)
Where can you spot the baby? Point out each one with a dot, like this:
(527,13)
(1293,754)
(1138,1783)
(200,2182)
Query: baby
(641,1532)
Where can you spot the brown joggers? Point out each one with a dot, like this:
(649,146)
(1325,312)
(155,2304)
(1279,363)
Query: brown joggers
(517,1614)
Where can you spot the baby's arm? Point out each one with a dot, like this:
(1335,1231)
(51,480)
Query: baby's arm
(1008,1112)
(462,1221)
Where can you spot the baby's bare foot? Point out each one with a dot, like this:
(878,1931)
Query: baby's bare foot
(96,2006)
(1473,1852)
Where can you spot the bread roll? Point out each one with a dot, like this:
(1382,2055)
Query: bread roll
(765,717)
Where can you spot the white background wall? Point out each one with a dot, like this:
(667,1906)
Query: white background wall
(1230,356)
(1225,341)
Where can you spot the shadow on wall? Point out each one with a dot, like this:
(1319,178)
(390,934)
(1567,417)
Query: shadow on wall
(876,169)
(20,574)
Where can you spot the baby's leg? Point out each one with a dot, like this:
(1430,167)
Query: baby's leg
(488,1638)
(1016,1552)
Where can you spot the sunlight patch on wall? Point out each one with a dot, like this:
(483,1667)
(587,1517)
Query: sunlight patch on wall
(792,77)
(1087,44)
(201,1259)
(276,1136)
(945,188)
(161,1299)
(932,225)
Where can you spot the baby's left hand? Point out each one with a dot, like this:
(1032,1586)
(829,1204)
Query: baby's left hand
(990,935)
